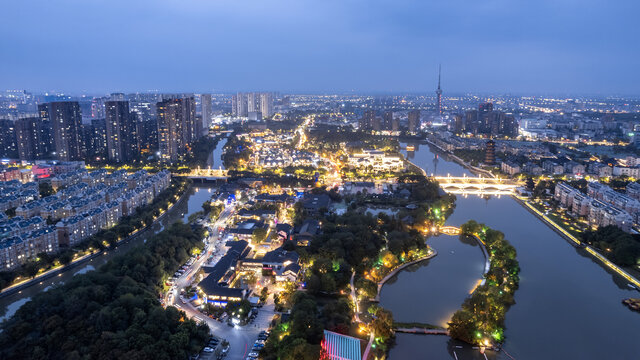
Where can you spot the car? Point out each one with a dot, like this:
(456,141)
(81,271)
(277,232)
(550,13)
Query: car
(207,350)
(230,324)
(259,341)
(253,354)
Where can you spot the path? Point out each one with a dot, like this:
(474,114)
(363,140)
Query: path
(419,330)
(397,269)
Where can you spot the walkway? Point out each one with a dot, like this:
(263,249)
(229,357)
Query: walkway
(423,331)
(397,269)
(577,242)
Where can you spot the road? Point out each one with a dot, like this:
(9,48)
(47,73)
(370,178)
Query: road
(240,338)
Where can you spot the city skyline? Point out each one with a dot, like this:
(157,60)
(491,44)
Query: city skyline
(542,48)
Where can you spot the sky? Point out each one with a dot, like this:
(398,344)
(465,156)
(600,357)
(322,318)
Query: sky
(321,46)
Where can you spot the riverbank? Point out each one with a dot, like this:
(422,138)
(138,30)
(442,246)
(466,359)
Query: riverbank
(400,267)
(550,223)
(459,161)
(481,319)
(577,243)
(12,289)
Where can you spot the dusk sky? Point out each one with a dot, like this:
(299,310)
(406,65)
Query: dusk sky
(486,46)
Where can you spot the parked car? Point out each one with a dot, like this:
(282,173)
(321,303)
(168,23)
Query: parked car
(207,350)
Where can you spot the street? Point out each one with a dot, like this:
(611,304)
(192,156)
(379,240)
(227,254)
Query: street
(240,338)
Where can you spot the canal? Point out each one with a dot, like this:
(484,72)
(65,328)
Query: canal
(191,203)
(568,305)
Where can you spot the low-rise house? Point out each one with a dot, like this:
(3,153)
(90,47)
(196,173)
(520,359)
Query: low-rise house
(214,288)
(306,232)
(510,168)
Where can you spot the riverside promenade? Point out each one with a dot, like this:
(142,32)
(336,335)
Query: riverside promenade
(397,269)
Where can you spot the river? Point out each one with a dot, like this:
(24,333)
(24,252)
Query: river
(568,305)
(192,203)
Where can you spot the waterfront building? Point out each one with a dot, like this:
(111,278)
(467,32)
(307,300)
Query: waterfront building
(335,346)
(510,167)
(490,153)
(376,160)
(413,121)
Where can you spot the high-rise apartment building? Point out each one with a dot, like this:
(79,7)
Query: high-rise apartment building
(65,119)
(413,121)
(367,120)
(32,138)
(95,139)
(244,103)
(205,104)
(177,127)
(8,141)
(122,132)
(239,106)
(266,104)
(488,121)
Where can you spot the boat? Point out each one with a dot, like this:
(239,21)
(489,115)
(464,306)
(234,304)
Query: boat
(411,148)
(633,304)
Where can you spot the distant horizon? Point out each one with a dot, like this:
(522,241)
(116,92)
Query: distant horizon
(368,47)
(430,93)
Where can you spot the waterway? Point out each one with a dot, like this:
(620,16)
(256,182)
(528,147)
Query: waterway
(568,305)
(192,203)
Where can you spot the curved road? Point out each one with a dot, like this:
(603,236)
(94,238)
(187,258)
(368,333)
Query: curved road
(240,338)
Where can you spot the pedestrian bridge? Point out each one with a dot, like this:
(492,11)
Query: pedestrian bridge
(477,185)
(449,230)
(204,175)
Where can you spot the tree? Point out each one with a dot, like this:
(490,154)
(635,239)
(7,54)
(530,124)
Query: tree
(382,324)
(206,206)
(66,257)
(470,227)
(530,185)
(45,189)
(259,235)
(31,268)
